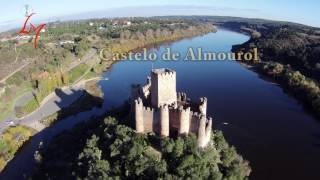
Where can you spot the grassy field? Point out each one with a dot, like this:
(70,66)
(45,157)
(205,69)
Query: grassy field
(8,99)
(77,72)
(27,108)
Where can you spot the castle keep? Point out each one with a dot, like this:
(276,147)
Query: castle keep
(157,107)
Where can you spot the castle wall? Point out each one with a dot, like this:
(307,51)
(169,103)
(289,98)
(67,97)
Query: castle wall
(184,118)
(150,120)
(167,111)
(164,120)
(194,122)
(174,118)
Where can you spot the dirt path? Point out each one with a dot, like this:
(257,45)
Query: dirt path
(17,70)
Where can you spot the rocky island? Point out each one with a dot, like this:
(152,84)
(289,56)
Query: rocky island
(160,134)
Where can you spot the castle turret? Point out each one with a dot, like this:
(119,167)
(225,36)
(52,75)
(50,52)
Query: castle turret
(208,131)
(139,115)
(164,120)
(203,106)
(202,132)
(184,120)
(163,89)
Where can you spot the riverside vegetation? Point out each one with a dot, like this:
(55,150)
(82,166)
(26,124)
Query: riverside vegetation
(62,57)
(106,148)
(55,63)
(11,140)
(305,89)
(289,54)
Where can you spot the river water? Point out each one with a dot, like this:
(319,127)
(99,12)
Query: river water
(267,127)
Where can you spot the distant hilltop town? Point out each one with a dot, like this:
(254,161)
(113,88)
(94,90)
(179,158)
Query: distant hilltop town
(157,107)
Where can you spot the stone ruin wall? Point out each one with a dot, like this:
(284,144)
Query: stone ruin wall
(183,120)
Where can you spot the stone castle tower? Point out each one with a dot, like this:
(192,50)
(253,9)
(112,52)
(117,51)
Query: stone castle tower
(157,107)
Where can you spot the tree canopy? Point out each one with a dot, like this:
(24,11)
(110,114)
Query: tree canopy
(109,150)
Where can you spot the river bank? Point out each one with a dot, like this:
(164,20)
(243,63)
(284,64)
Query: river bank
(293,82)
(245,107)
(257,107)
(41,120)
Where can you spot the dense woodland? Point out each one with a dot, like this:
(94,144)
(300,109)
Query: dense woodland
(305,89)
(108,149)
(296,46)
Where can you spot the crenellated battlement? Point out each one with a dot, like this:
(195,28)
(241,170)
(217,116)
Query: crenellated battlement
(203,100)
(164,107)
(138,102)
(168,75)
(195,114)
(181,109)
(167,111)
(181,96)
(148,109)
(203,105)
(164,73)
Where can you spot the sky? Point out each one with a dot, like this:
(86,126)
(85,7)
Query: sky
(304,12)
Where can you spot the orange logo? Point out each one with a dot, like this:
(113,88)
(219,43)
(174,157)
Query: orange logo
(32,29)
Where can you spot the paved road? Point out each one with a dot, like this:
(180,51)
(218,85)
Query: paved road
(23,164)
(53,103)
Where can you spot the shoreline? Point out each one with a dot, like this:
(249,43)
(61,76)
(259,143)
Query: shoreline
(278,80)
(41,128)
(148,46)
(51,95)
(13,165)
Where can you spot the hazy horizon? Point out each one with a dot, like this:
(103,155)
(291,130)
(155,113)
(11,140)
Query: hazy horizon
(144,11)
(12,13)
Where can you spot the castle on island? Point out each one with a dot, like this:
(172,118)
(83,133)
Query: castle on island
(158,108)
